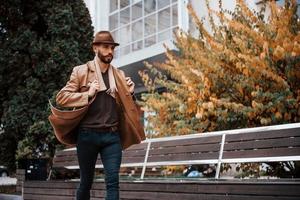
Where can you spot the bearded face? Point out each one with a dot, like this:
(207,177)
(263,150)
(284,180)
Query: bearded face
(105,53)
(105,58)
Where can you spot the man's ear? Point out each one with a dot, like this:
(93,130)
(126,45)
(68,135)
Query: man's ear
(95,50)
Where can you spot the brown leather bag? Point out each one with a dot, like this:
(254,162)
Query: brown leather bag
(64,123)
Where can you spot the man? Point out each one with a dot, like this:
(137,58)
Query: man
(106,120)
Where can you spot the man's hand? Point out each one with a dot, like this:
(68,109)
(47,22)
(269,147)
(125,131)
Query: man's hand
(131,84)
(94,86)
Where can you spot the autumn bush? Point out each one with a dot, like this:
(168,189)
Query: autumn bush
(243,71)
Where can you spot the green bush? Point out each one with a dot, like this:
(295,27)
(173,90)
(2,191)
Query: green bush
(41,41)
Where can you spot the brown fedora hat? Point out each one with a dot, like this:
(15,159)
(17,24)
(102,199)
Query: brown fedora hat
(104,37)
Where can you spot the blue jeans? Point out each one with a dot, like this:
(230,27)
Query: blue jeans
(89,144)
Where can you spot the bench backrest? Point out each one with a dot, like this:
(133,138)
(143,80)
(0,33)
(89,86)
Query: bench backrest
(270,145)
(133,156)
(263,144)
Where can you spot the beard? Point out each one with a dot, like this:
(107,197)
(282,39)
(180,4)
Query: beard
(105,59)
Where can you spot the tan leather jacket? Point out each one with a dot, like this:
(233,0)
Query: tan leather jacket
(75,94)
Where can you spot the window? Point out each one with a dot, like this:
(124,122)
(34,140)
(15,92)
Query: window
(113,5)
(163,3)
(164,17)
(125,16)
(150,41)
(137,45)
(137,30)
(149,6)
(137,24)
(125,35)
(137,11)
(150,25)
(164,35)
(115,35)
(174,15)
(113,21)
(124,3)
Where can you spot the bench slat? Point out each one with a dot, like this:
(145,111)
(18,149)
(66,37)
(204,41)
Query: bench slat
(189,141)
(160,189)
(274,152)
(65,153)
(141,146)
(269,134)
(183,157)
(134,153)
(185,149)
(263,144)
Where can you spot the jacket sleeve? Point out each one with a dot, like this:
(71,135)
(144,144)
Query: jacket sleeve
(69,96)
(124,76)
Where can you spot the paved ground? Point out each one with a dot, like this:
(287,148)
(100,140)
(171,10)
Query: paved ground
(8,181)
(10,197)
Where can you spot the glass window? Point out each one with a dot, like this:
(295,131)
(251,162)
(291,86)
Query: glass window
(113,5)
(150,41)
(137,24)
(150,25)
(164,35)
(117,53)
(124,3)
(174,15)
(163,3)
(137,30)
(124,16)
(113,21)
(137,45)
(137,11)
(135,1)
(125,50)
(125,35)
(149,6)
(115,35)
(164,19)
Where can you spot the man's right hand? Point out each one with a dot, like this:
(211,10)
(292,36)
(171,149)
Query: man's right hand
(94,86)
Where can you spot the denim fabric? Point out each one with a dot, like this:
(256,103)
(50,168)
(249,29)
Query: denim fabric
(89,144)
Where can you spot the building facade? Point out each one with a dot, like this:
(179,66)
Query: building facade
(143,26)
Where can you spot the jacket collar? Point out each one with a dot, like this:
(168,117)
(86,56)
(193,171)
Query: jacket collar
(92,67)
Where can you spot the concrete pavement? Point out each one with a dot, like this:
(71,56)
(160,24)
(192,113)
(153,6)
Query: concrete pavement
(10,197)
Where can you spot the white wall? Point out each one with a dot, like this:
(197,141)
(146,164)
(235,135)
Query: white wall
(99,13)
